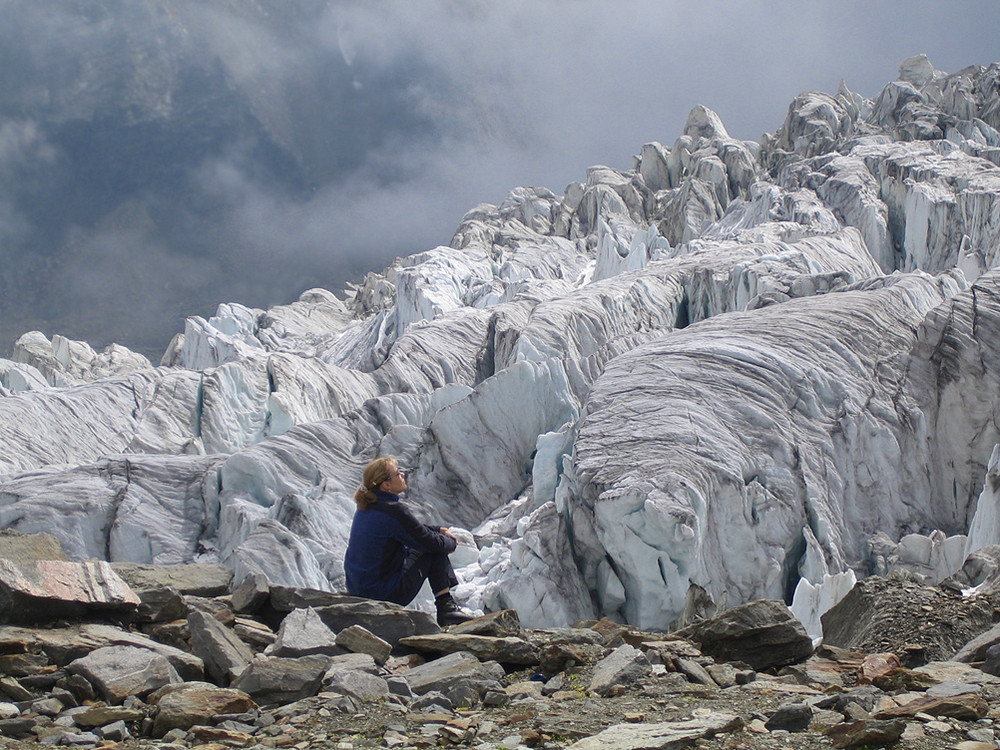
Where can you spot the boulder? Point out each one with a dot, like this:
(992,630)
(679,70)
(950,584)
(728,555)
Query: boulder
(355,683)
(160,603)
(441,674)
(196,703)
(866,733)
(302,633)
(120,671)
(624,665)
(661,736)
(224,654)
(251,594)
(43,590)
(763,634)
(967,707)
(274,679)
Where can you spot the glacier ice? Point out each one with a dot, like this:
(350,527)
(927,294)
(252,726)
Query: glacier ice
(734,370)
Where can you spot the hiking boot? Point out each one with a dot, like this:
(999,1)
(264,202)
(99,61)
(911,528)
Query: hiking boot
(449,613)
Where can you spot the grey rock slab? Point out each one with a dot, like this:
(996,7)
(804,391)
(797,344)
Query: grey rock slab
(951,671)
(288,598)
(63,645)
(764,634)
(975,650)
(122,671)
(42,590)
(197,703)
(866,733)
(116,732)
(668,735)
(195,579)
(99,714)
(504,623)
(274,679)
(360,640)
(441,673)
(252,594)
(224,654)
(355,683)
(622,666)
(302,632)
(363,662)
(794,717)
(504,650)
(390,622)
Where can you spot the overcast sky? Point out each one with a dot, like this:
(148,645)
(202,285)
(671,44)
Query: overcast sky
(402,114)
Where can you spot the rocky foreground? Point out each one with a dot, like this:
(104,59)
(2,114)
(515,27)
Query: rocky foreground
(131,656)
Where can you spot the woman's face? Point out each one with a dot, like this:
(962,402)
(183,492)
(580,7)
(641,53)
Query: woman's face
(396,483)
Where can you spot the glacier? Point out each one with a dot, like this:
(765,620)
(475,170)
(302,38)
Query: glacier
(735,370)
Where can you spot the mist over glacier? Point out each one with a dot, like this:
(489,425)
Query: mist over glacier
(736,369)
(158,158)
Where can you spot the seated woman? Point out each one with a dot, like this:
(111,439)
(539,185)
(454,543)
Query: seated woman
(390,553)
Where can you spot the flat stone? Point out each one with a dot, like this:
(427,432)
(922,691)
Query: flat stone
(43,590)
(288,598)
(362,662)
(390,622)
(17,727)
(502,624)
(121,671)
(100,714)
(360,640)
(504,650)
(952,671)
(63,645)
(197,703)
(195,579)
(660,736)
(968,707)
(22,665)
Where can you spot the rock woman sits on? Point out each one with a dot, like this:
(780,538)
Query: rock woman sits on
(390,553)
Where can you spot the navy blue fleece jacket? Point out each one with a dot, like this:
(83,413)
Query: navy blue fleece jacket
(381,537)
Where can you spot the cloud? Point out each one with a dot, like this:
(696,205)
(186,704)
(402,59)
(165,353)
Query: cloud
(221,151)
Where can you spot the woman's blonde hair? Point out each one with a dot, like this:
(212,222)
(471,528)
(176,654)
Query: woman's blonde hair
(375,473)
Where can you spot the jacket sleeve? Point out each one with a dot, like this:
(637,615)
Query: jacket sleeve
(422,536)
